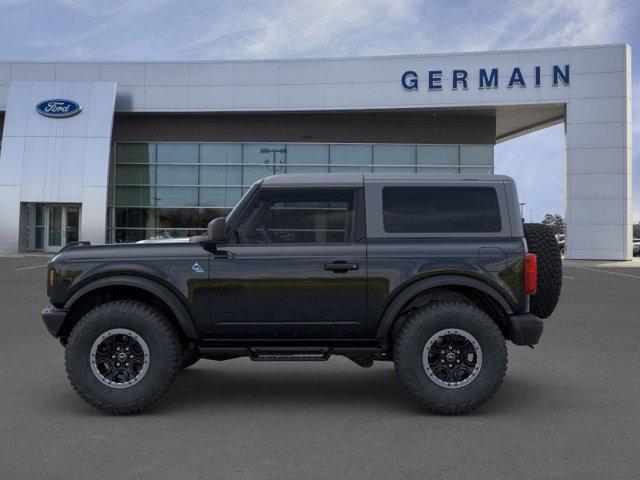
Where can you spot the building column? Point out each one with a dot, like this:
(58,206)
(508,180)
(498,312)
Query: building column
(93,216)
(598,175)
(9,217)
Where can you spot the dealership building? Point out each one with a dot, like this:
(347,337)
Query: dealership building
(123,151)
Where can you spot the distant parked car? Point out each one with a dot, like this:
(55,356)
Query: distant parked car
(636,247)
(560,240)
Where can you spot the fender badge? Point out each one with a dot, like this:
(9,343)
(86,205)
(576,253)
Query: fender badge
(197,268)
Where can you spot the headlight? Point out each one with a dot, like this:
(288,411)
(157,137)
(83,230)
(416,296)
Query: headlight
(52,278)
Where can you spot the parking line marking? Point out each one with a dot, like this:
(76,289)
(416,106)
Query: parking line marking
(29,268)
(611,273)
(567,276)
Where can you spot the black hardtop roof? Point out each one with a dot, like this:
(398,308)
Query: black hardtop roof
(359,179)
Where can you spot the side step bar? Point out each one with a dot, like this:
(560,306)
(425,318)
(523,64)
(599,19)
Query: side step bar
(363,356)
(289,354)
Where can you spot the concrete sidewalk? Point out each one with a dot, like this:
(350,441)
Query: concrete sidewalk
(635,263)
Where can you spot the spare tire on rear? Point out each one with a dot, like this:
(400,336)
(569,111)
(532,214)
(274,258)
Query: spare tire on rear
(543,243)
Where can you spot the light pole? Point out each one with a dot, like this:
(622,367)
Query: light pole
(522,209)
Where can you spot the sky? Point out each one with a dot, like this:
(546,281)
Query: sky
(252,29)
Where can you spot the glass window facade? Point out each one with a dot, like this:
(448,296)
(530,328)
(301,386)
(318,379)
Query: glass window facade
(175,189)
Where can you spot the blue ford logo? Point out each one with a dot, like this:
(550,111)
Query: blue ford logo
(58,108)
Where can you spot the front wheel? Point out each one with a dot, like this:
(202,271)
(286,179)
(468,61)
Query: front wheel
(122,356)
(451,357)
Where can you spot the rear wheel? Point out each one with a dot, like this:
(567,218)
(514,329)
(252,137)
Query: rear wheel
(451,357)
(122,356)
(542,242)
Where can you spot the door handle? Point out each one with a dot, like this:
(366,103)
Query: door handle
(341,266)
(223,254)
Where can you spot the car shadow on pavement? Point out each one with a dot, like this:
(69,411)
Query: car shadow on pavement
(374,389)
(209,387)
(286,388)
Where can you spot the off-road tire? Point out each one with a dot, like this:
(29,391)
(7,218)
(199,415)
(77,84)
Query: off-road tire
(414,335)
(164,352)
(542,242)
(189,357)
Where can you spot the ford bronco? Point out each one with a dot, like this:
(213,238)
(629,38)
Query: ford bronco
(432,272)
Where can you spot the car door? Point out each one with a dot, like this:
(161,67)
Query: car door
(292,269)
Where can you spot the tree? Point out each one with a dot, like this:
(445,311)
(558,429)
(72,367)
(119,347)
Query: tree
(555,222)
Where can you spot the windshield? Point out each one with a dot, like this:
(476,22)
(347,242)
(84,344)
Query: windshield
(241,204)
(235,211)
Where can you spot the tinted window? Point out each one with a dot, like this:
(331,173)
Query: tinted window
(440,210)
(295,216)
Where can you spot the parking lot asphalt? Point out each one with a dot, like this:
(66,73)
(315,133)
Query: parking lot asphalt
(569,408)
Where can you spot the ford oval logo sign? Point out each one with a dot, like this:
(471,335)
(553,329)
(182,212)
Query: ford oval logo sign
(58,108)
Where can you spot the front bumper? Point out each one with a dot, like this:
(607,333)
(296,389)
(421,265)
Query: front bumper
(524,329)
(53,319)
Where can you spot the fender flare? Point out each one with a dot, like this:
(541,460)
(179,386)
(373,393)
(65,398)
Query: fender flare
(163,293)
(393,309)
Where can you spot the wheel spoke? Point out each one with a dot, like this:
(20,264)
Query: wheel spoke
(452,358)
(119,358)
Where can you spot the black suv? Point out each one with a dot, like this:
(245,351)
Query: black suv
(432,272)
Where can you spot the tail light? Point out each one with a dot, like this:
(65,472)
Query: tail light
(530,273)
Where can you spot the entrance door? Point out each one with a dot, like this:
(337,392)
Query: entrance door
(62,225)
(54,229)
(72,224)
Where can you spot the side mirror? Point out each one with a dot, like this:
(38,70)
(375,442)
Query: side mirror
(217,230)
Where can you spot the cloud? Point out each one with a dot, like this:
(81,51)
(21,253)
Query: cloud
(546,23)
(161,29)
(309,26)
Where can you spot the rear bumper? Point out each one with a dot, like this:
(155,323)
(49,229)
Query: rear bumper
(524,329)
(53,319)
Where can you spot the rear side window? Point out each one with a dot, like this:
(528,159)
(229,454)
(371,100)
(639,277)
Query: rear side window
(440,210)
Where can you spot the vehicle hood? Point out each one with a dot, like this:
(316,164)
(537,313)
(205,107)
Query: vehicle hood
(130,251)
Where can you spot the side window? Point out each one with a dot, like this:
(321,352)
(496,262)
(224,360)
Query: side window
(298,216)
(440,210)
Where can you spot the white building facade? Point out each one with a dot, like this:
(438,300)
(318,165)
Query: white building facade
(118,151)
